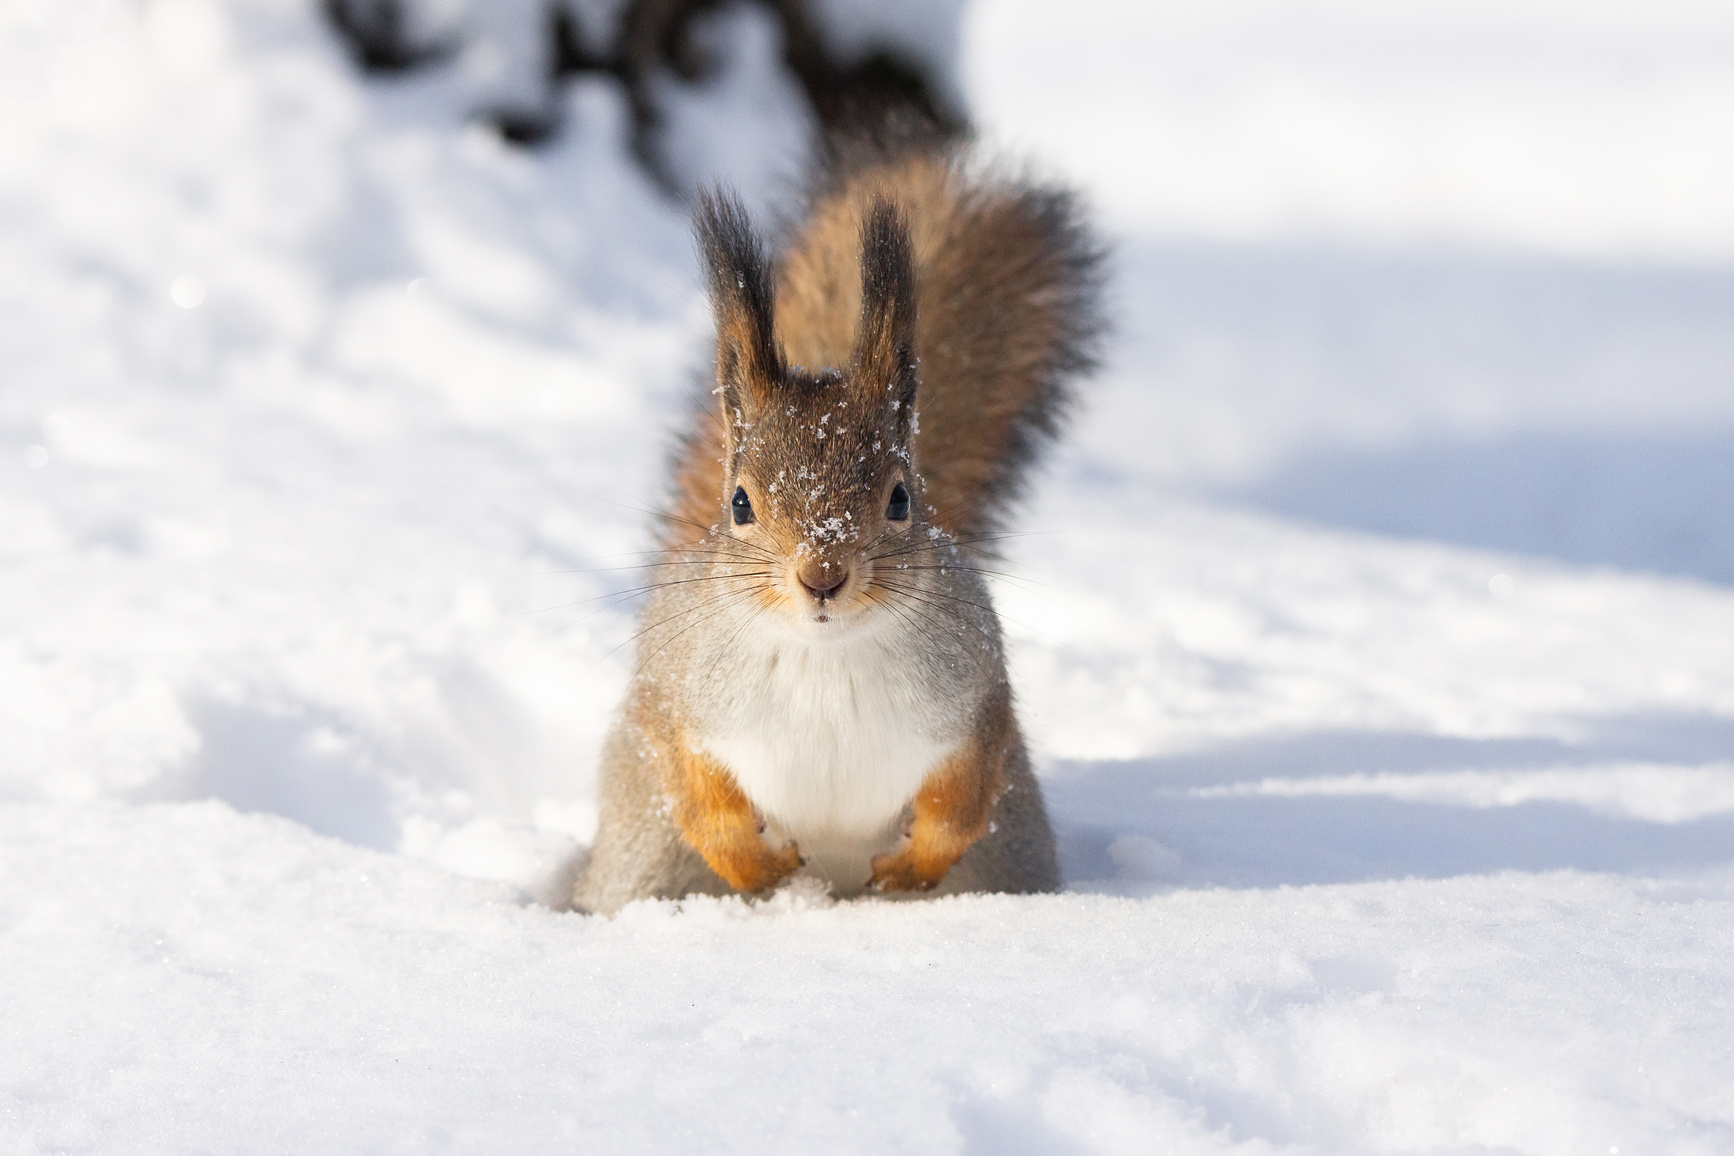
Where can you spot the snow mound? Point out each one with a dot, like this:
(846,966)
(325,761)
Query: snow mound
(186,978)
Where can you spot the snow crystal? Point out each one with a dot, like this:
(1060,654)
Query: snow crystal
(187,292)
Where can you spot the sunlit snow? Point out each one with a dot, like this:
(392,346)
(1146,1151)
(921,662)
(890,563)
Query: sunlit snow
(1372,628)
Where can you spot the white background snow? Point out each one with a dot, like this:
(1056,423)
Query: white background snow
(1374,628)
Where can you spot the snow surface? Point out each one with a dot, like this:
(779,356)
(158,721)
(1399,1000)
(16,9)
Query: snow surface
(1374,629)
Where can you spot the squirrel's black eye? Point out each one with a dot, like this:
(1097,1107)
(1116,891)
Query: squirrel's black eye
(741,507)
(897,509)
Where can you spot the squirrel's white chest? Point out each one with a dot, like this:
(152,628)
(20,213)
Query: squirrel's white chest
(831,740)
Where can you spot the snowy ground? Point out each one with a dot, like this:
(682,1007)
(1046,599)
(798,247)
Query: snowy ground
(1375,629)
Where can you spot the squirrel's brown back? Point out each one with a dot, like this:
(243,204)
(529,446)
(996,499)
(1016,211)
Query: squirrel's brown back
(1007,282)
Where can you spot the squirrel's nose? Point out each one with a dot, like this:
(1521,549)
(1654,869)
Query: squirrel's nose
(822,582)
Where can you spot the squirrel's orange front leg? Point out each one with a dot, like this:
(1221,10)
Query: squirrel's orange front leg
(718,821)
(951,811)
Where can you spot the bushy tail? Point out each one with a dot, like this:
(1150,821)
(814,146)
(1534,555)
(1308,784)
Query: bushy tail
(1008,288)
(1008,284)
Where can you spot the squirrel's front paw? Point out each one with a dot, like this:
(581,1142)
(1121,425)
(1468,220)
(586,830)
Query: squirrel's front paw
(902,871)
(785,862)
(762,870)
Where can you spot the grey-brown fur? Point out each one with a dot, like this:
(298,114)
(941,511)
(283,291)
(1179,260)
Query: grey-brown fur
(828,724)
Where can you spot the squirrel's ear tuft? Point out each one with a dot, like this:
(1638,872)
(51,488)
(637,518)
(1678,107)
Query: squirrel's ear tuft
(748,360)
(885,348)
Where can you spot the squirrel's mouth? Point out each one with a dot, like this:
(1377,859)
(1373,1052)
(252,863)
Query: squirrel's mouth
(827,619)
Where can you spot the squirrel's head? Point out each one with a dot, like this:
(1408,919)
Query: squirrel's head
(819,472)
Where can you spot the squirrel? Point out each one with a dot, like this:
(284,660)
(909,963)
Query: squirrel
(822,685)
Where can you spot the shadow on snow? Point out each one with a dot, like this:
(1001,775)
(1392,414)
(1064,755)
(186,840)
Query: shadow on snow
(1654,503)
(1572,409)
(1137,824)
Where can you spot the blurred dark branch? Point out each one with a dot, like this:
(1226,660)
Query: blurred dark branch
(879,88)
(379,37)
(655,37)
